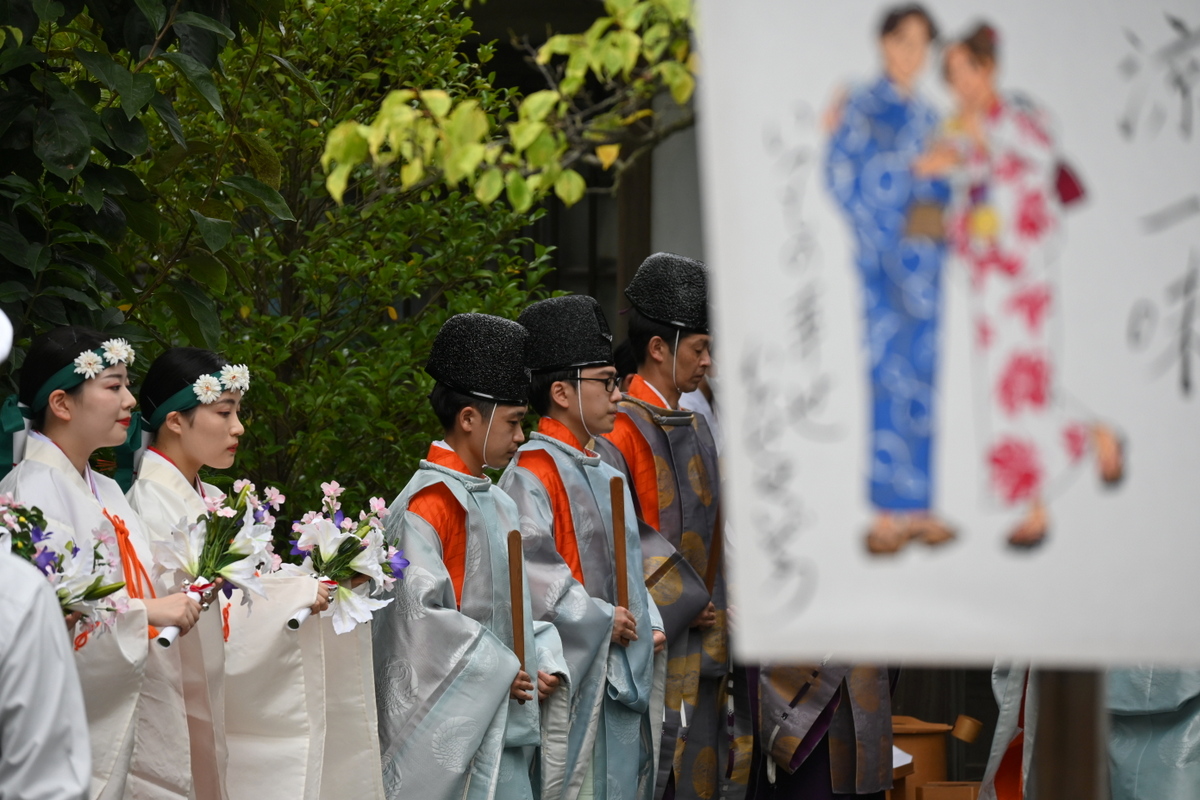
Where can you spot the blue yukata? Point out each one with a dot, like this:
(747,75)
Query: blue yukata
(869,172)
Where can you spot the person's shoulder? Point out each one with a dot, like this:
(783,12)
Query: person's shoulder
(20,583)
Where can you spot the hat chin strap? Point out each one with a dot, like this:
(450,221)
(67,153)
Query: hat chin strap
(674,363)
(487,436)
(579,397)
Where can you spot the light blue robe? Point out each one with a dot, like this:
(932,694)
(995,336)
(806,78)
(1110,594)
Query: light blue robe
(447,728)
(1154,743)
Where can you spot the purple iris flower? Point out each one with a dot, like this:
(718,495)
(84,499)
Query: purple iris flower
(36,534)
(296,551)
(228,588)
(46,560)
(259,513)
(398,563)
(338,517)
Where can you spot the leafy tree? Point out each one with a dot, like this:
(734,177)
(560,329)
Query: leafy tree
(597,108)
(84,84)
(332,307)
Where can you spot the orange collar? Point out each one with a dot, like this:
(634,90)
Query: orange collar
(640,389)
(554,429)
(443,456)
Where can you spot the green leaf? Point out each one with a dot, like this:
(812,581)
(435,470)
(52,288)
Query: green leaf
(203,312)
(155,11)
(201,21)
(104,68)
(61,140)
(268,197)
(14,247)
(678,80)
(489,186)
(437,101)
(263,161)
(67,293)
(166,163)
(347,147)
(183,317)
(140,92)
(166,112)
(92,193)
(197,75)
(306,85)
(536,106)
(19,57)
(215,232)
(127,134)
(207,270)
(570,187)
(142,217)
(524,133)
(14,292)
(519,195)
(47,10)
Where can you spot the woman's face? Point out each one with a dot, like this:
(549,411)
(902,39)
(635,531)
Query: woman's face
(970,81)
(904,51)
(101,410)
(211,436)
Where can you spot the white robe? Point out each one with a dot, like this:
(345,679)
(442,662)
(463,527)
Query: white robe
(44,752)
(133,693)
(163,498)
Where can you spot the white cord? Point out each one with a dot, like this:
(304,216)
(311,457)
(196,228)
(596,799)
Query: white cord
(579,397)
(674,362)
(487,436)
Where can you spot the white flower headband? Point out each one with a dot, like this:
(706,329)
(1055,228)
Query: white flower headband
(91,363)
(208,388)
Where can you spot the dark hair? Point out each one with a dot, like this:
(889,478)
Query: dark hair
(539,388)
(175,369)
(49,353)
(447,403)
(624,360)
(980,44)
(642,330)
(894,16)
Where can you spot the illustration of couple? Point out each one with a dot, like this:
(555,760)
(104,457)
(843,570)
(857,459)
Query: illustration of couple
(987,187)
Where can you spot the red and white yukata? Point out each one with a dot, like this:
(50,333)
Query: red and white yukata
(1006,225)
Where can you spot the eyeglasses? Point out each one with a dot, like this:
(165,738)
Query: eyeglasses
(610,383)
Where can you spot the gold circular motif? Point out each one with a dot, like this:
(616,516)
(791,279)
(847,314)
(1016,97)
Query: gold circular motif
(743,753)
(698,477)
(692,547)
(716,642)
(704,773)
(669,587)
(666,482)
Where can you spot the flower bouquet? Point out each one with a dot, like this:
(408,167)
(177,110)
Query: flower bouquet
(232,540)
(79,572)
(336,548)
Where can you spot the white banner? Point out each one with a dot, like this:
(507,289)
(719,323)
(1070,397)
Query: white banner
(881,390)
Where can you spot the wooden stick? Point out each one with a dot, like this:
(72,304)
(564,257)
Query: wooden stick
(516,580)
(714,554)
(617,489)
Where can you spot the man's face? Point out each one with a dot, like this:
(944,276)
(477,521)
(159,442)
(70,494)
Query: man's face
(504,437)
(594,401)
(692,360)
(904,50)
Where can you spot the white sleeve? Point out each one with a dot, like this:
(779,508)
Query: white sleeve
(44,752)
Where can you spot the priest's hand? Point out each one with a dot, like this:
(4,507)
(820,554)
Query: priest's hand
(706,618)
(322,598)
(521,687)
(547,683)
(660,642)
(71,619)
(175,609)
(624,626)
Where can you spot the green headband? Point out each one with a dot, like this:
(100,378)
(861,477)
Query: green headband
(86,366)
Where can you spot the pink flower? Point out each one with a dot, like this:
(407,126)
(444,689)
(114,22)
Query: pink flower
(332,490)
(238,485)
(274,497)
(1033,215)
(379,507)
(1016,474)
(1032,303)
(226,511)
(1025,382)
(1075,439)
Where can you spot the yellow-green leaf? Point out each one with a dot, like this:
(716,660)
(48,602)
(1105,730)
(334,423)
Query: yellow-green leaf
(437,101)
(678,80)
(570,187)
(628,46)
(347,147)
(557,45)
(411,172)
(536,106)
(489,186)
(607,153)
(519,196)
(524,133)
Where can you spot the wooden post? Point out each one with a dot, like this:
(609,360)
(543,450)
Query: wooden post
(516,581)
(1071,746)
(617,492)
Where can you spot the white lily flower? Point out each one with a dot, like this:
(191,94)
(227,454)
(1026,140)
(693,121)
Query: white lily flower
(368,560)
(348,609)
(322,533)
(245,575)
(181,552)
